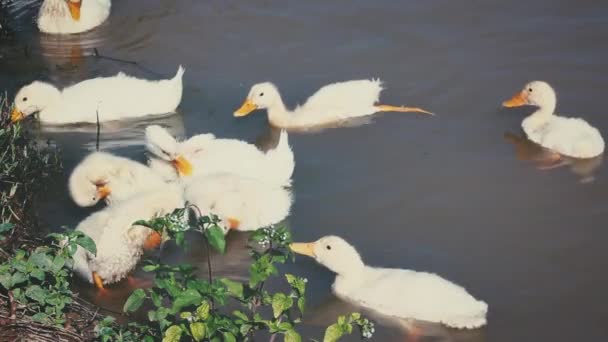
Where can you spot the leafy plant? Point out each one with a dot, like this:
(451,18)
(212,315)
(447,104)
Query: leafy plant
(40,279)
(188,308)
(25,168)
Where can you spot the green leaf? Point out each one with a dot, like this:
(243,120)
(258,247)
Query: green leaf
(301,304)
(234,288)
(150,268)
(186,298)
(40,317)
(202,312)
(156,298)
(229,337)
(41,260)
(6,280)
(87,243)
(38,274)
(216,238)
(36,293)
(58,263)
(198,330)
(333,333)
(5,227)
(173,334)
(135,300)
(240,315)
(280,303)
(292,336)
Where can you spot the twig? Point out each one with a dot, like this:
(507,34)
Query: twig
(12,306)
(98,130)
(98,55)
(209,270)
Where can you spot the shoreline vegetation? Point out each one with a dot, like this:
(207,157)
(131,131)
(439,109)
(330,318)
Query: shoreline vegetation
(37,303)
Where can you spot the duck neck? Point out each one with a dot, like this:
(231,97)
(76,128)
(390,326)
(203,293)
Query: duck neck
(350,280)
(278,115)
(52,98)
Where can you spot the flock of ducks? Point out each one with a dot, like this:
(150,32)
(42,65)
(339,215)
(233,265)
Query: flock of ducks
(245,187)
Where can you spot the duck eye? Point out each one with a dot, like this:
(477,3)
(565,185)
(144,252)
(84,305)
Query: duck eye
(328,247)
(25,99)
(261,94)
(530,89)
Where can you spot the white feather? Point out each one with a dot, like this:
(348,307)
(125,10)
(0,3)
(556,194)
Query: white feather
(253,203)
(209,155)
(397,292)
(571,137)
(113,98)
(54,16)
(119,243)
(331,104)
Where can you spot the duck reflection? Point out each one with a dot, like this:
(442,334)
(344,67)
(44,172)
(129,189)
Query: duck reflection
(389,328)
(527,150)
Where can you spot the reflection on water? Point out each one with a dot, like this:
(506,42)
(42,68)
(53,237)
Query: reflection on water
(545,159)
(436,194)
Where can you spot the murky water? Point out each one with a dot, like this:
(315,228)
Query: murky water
(462,194)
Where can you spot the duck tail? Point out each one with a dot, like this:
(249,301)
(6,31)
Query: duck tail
(180,73)
(281,160)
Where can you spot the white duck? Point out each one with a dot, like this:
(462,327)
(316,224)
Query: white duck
(204,154)
(113,98)
(571,137)
(72,16)
(331,104)
(103,176)
(120,244)
(395,292)
(242,203)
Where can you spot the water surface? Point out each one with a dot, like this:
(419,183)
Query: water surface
(461,194)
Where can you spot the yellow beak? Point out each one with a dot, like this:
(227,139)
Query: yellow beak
(303,248)
(183,166)
(103,191)
(16,115)
(247,107)
(517,100)
(233,223)
(74,6)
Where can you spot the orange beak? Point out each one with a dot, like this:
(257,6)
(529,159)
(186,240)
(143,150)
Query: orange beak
(182,165)
(16,115)
(307,249)
(247,107)
(74,6)
(103,191)
(519,99)
(233,223)
(97,280)
(153,240)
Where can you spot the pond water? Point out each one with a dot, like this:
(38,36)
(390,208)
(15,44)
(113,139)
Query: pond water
(461,194)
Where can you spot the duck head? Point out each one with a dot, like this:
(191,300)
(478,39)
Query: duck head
(33,98)
(535,93)
(261,96)
(332,252)
(90,181)
(162,144)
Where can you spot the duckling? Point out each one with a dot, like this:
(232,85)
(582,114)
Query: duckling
(242,203)
(103,176)
(395,292)
(570,137)
(332,103)
(120,244)
(107,98)
(204,154)
(72,16)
